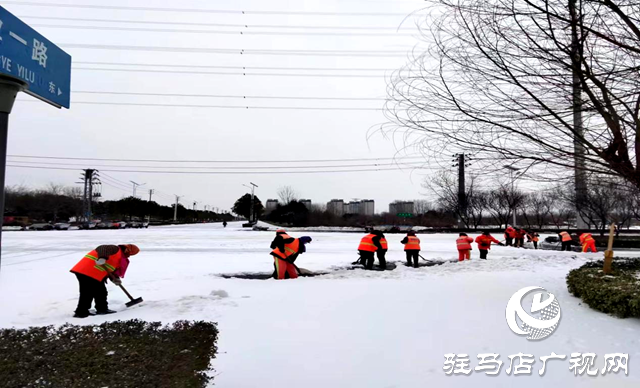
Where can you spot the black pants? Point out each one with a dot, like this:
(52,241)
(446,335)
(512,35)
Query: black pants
(519,242)
(483,253)
(566,246)
(382,260)
(90,290)
(412,253)
(535,245)
(367,258)
(509,241)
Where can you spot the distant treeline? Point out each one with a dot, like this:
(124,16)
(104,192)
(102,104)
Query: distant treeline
(59,204)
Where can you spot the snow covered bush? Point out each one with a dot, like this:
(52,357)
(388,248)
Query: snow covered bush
(131,353)
(617,293)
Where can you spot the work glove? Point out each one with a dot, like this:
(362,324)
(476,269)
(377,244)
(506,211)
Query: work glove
(116,280)
(101,261)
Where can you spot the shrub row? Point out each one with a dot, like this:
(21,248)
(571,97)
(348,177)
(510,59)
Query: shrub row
(114,354)
(617,293)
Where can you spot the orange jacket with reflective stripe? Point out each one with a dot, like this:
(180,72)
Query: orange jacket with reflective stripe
(413,244)
(289,249)
(484,242)
(88,266)
(366,244)
(464,243)
(586,238)
(565,236)
(383,242)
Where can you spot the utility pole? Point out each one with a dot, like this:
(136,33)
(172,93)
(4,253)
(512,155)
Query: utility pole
(194,205)
(135,186)
(175,209)
(578,129)
(252,215)
(513,187)
(90,178)
(462,194)
(151,191)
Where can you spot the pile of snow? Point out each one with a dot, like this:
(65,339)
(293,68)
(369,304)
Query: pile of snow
(350,328)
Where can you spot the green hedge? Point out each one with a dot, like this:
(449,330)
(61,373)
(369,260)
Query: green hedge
(617,293)
(114,354)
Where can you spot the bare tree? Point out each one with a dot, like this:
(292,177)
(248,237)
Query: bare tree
(502,202)
(445,187)
(422,206)
(537,209)
(502,79)
(287,194)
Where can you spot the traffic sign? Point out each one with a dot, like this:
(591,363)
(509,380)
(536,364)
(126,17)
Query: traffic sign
(32,58)
(405,215)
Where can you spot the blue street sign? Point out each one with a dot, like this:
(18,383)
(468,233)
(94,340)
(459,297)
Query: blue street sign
(27,55)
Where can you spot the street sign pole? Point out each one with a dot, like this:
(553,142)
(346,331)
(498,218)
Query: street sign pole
(9,89)
(31,63)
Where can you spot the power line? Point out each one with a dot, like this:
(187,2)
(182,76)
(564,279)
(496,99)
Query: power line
(234,74)
(220,172)
(208,161)
(229,96)
(247,26)
(338,53)
(218,32)
(218,106)
(200,10)
(230,67)
(411,164)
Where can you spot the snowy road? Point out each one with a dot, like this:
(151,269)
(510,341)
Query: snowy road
(345,329)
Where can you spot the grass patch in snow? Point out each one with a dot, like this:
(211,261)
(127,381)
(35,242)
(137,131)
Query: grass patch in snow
(617,293)
(131,353)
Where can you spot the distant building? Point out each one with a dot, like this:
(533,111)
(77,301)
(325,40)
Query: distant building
(306,203)
(364,207)
(336,206)
(368,207)
(272,204)
(401,207)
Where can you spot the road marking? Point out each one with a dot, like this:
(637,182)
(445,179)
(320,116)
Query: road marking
(16,37)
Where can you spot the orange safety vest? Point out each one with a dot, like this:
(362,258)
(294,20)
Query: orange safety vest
(289,249)
(383,242)
(464,243)
(565,236)
(413,244)
(586,238)
(510,232)
(534,238)
(366,244)
(484,242)
(88,266)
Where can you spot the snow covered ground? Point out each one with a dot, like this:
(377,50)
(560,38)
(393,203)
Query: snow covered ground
(350,328)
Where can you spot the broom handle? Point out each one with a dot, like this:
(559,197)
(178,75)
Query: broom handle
(120,285)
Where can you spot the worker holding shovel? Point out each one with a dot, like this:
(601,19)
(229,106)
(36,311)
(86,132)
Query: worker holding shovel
(92,271)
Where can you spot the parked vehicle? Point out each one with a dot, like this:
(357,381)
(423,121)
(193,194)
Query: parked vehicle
(103,225)
(88,225)
(61,226)
(42,226)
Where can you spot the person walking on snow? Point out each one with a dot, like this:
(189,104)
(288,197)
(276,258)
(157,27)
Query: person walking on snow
(369,245)
(484,244)
(92,271)
(411,248)
(566,241)
(509,235)
(587,242)
(463,244)
(285,250)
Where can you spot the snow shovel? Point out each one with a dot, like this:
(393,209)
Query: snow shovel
(132,302)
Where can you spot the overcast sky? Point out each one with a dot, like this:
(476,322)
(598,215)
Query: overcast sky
(220,134)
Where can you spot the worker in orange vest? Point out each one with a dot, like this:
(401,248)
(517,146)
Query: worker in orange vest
(463,244)
(411,248)
(92,271)
(566,241)
(484,244)
(285,250)
(520,233)
(534,238)
(587,242)
(369,245)
(509,235)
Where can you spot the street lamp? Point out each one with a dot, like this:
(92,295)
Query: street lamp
(252,187)
(513,180)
